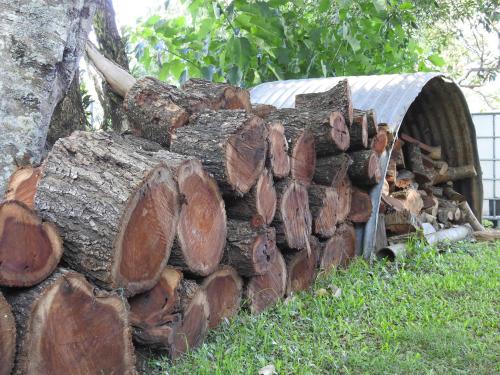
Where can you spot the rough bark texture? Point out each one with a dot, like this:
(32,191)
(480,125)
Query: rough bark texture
(7,337)
(371,117)
(232,146)
(218,95)
(67,326)
(112,47)
(278,159)
(433,151)
(361,206)
(263,110)
(365,169)
(413,157)
(301,268)
(43,41)
(293,218)
(249,250)
(402,222)
(266,290)
(223,288)
(22,185)
(340,249)
(116,209)
(337,99)
(456,173)
(330,170)
(323,202)
(259,205)
(359,132)
(29,248)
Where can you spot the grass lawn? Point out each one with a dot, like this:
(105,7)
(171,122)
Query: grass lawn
(435,313)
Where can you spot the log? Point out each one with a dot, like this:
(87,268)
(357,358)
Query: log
(402,222)
(232,146)
(218,95)
(392,172)
(433,151)
(250,250)
(456,173)
(447,211)
(371,118)
(259,205)
(301,268)
(330,170)
(67,326)
(361,206)
(338,99)
(224,290)
(22,185)
(397,154)
(413,157)
(404,179)
(293,218)
(470,218)
(452,195)
(411,199)
(329,128)
(379,142)
(155,314)
(7,337)
(115,207)
(339,250)
(263,110)
(323,202)
(266,290)
(359,132)
(365,169)
(344,194)
(430,204)
(278,159)
(392,203)
(381,234)
(30,249)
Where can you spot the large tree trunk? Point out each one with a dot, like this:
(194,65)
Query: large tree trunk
(7,337)
(116,209)
(67,326)
(29,248)
(40,52)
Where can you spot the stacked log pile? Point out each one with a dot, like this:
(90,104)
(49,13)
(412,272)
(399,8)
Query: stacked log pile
(157,236)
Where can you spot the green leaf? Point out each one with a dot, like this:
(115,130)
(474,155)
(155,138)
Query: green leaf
(184,76)
(239,51)
(324,5)
(165,69)
(353,42)
(380,5)
(208,72)
(152,20)
(436,60)
(234,75)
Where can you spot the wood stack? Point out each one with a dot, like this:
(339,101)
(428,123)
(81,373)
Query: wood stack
(418,192)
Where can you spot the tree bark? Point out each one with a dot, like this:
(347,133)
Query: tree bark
(116,208)
(278,159)
(301,268)
(67,326)
(323,202)
(456,173)
(249,250)
(22,185)
(266,290)
(29,248)
(340,249)
(40,52)
(365,169)
(361,206)
(359,132)
(263,110)
(411,199)
(402,222)
(330,170)
(433,151)
(413,156)
(232,146)
(7,337)
(337,99)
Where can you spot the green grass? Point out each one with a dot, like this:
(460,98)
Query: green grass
(435,313)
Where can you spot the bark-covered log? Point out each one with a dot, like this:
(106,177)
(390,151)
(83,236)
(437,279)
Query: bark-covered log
(402,222)
(278,159)
(22,185)
(361,206)
(42,42)
(259,205)
(371,117)
(263,110)
(224,289)
(232,146)
(250,250)
(469,217)
(413,157)
(337,99)
(329,128)
(365,169)
(218,95)
(433,151)
(116,209)
(411,199)
(330,170)
(340,249)
(293,218)
(397,154)
(155,314)
(344,195)
(323,202)
(7,337)
(301,267)
(67,326)
(29,248)
(266,290)
(303,158)
(456,173)
(359,132)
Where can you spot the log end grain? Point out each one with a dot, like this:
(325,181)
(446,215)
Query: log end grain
(278,150)
(344,196)
(361,206)
(340,249)
(7,337)
(303,158)
(340,131)
(266,197)
(29,248)
(323,202)
(22,185)
(301,269)
(295,215)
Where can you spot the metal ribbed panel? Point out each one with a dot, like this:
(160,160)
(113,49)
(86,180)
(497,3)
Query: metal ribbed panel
(426,105)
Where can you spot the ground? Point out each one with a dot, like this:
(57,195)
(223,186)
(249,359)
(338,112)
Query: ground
(437,312)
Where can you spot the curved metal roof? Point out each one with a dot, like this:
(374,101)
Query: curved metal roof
(427,106)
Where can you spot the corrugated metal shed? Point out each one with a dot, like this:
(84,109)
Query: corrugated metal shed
(427,106)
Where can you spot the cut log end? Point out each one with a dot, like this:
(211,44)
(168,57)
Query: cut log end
(304,158)
(223,289)
(301,269)
(246,155)
(201,231)
(263,251)
(296,216)
(361,206)
(344,196)
(379,142)
(266,290)
(340,132)
(29,248)
(266,197)
(7,337)
(340,249)
(236,98)
(147,232)
(278,150)
(22,185)
(323,202)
